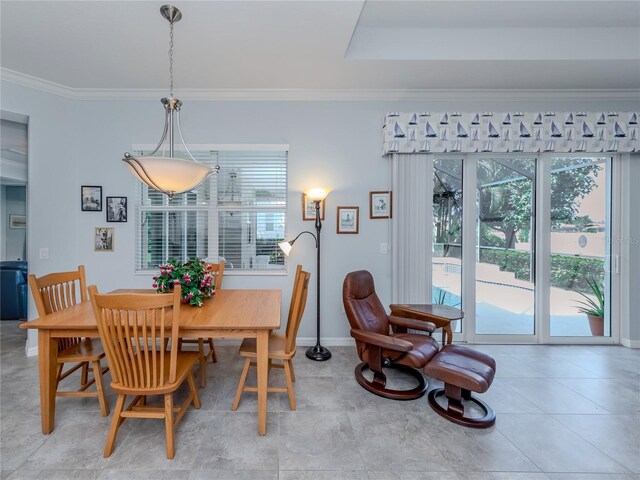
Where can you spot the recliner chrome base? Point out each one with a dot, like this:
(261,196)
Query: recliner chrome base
(378,384)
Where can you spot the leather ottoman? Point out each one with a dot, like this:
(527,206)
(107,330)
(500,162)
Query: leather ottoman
(463,371)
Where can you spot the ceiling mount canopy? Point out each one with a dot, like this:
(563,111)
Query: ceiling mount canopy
(168,174)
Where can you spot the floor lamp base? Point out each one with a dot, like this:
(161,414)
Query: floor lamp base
(318,353)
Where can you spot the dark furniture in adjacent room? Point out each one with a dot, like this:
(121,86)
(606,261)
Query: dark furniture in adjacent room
(13,293)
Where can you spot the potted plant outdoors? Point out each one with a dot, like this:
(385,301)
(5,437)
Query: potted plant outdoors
(594,308)
(194,276)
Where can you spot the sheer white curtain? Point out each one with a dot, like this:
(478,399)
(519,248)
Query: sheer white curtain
(411,228)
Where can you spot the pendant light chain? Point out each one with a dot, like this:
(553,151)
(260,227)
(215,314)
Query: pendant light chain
(169,175)
(171,59)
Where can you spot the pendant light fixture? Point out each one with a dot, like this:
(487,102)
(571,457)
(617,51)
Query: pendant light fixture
(169,175)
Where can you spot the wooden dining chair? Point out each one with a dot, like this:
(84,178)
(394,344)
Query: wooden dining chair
(59,291)
(133,328)
(281,347)
(217,270)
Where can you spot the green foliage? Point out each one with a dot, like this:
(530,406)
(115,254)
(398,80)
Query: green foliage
(489,239)
(569,273)
(507,206)
(442,298)
(194,277)
(589,306)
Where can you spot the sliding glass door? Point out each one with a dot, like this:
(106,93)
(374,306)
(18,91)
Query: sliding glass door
(505,246)
(580,253)
(447,234)
(522,244)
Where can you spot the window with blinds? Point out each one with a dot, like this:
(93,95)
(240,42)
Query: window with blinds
(238,215)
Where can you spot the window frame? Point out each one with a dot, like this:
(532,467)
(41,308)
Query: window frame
(213,210)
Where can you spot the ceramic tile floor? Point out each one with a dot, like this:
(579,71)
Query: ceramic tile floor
(564,413)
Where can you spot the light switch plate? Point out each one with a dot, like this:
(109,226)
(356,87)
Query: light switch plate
(44,254)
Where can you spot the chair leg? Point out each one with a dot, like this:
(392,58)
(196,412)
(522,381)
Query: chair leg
(102,396)
(203,363)
(58,373)
(168,422)
(288,375)
(194,391)
(84,375)
(115,424)
(293,374)
(243,378)
(214,358)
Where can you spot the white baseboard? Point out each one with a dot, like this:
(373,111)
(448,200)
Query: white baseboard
(234,342)
(328,342)
(626,342)
(30,351)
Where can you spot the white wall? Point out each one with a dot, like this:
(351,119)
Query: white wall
(13,200)
(331,143)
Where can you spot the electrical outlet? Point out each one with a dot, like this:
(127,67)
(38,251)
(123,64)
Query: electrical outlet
(384,248)
(44,254)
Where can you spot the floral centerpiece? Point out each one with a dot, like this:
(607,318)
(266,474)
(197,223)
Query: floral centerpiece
(194,276)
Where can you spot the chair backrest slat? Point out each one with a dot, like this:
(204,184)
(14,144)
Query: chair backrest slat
(217,270)
(58,291)
(133,329)
(296,308)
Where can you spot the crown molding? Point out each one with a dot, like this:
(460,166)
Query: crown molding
(324,95)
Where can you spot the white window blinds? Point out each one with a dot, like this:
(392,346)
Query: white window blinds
(237,215)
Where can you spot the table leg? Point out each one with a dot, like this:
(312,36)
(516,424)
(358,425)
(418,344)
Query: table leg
(262,351)
(47,356)
(448,333)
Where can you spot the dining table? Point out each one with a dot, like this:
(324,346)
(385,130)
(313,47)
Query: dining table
(229,314)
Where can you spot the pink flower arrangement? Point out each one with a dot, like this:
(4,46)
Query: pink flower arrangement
(194,277)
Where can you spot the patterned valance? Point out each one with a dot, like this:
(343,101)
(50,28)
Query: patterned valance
(432,132)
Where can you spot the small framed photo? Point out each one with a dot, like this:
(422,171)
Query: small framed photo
(348,220)
(380,204)
(116,209)
(91,198)
(18,221)
(309,209)
(103,240)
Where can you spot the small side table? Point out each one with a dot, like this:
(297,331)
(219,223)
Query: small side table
(440,315)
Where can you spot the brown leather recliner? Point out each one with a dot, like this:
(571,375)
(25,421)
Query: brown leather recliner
(461,369)
(377,346)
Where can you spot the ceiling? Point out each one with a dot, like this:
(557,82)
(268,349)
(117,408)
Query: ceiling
(326,45)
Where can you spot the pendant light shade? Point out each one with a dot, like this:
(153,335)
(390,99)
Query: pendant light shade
(169,175)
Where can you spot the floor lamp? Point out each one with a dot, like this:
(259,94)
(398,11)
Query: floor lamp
(316,195)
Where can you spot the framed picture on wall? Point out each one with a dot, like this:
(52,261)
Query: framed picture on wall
(18,221)
(348,220)
(380,204)
(103,239)
(116,209)
(91,198)
(309,209)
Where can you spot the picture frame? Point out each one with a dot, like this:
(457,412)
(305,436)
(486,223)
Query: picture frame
(380,204)
(309,209)
(348,221)
(91,198)
(116,209)
(103,239)
(18,222)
